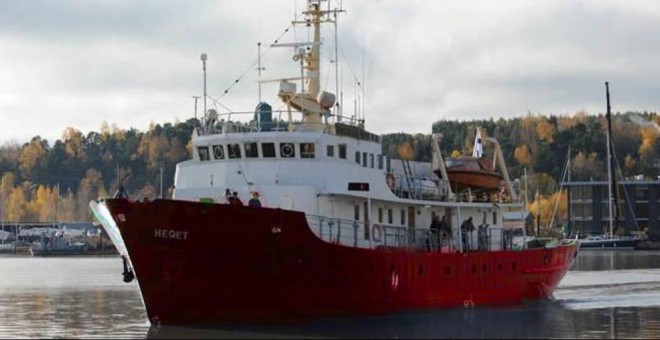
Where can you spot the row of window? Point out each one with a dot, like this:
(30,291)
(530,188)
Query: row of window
(283,150)
(369,162)
(390,215)
(252,150)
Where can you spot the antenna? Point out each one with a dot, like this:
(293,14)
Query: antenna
(337,107)
(203,57)
(362,85)
(259,68)
(196,97)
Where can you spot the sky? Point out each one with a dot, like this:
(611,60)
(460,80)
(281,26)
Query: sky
(131,63)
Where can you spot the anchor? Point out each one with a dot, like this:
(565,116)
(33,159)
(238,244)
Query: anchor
(128,272)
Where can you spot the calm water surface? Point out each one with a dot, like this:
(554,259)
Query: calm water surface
(607,294)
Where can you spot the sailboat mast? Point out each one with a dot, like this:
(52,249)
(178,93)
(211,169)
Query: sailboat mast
(610,165)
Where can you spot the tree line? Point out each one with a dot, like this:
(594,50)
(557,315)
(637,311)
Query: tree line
(43,182)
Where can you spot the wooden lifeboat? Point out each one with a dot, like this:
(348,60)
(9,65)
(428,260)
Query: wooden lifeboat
(472,173)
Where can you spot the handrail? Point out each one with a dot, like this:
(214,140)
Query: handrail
(223,123)
(352,233)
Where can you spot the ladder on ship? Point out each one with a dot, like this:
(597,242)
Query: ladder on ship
(410,179)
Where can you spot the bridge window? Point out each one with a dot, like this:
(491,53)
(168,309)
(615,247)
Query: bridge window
(219,152)
(287,150)
(203,152)
(357,157)
(364,159)
(342,151)
(403,217)
(330,151)
(251,150)
(390,216)
(268,150)
(371,160)
(306,150)
(234,150)
(380,162)
(380,215)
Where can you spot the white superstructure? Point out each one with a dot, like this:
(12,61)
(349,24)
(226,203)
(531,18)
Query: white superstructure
(329,170)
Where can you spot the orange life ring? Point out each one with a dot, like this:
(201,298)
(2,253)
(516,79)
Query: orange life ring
(377,233)
(391,182)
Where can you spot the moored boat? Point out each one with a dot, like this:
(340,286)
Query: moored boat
(611,242)
(55,244)
(330,234)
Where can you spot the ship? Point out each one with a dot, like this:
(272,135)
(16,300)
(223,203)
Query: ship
(291,220)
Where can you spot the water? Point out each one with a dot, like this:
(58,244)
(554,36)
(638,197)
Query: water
(607,294)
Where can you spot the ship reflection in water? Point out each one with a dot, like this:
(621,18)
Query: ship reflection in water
(606,295)
(537,320)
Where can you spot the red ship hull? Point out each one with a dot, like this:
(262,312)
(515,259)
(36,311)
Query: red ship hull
(242,264)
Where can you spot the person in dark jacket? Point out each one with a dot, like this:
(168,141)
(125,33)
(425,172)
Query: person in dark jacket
(467,227)
(254,201)
(234,200)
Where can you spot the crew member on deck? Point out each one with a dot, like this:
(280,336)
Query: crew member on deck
(228,195)
(467,227)
(234,200)
(254,201)
(445,229)
(434,240)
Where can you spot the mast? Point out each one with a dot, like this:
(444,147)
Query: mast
(613,210)
(203,58)
(311,101)
(312,60)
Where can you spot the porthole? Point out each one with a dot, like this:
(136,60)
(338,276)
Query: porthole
(287,150)
(218,152)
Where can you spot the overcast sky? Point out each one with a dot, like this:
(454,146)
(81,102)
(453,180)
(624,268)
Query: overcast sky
(131,62)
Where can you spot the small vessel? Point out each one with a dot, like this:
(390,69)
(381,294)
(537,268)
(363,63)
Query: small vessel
(7,247)
(331,236)
(611,240)
(55,244)
(474,173)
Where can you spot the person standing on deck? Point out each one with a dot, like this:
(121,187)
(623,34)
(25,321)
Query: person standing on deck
(467,227)
(434,240)
(254,201)
(234,200)
(228,195)
(445,229)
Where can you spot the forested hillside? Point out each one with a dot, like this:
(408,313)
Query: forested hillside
(44,181)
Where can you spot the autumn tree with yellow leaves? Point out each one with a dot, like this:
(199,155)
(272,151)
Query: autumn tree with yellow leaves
(44,181)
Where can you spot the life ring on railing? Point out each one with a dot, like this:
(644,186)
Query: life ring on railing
(391,182)
(377,233)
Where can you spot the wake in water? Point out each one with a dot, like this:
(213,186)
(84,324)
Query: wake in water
(606,289)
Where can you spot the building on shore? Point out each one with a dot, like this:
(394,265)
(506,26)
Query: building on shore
(638,207)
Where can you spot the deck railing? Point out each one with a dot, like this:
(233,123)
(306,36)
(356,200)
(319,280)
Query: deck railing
(236,122)
(352,233)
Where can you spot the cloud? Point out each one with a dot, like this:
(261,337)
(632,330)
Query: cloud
(81,63)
